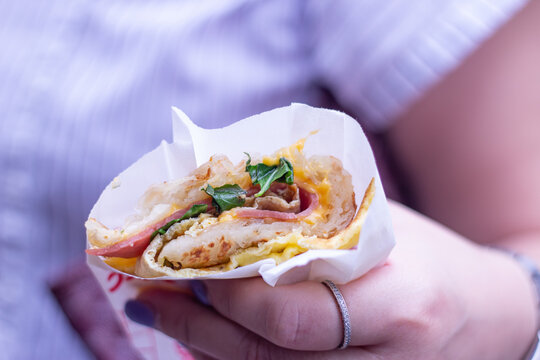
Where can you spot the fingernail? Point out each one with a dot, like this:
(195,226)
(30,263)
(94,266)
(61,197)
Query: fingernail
(139,312)
(199,290)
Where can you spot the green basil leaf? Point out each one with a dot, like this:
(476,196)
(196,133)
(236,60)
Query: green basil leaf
(193,211)
(227,196)
(265,175)
(289,174)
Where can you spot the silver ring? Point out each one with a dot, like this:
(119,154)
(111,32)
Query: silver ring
(344,314)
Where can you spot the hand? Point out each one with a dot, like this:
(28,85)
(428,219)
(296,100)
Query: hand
(438,296)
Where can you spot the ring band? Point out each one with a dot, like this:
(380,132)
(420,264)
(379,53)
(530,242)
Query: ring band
(344,314)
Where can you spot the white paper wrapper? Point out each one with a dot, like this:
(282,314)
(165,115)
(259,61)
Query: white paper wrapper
(338,135)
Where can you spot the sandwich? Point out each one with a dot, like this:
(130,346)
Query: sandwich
(223,216)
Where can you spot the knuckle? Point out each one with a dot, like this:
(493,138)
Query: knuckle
(282,324)
(425,313)
(227,304)
(175,325)
(253,347)
(221,298)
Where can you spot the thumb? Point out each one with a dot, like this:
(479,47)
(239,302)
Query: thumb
(197,326)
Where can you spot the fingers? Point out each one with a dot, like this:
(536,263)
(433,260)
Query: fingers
(210,335)
(301,317)
(181,317)
(306,315)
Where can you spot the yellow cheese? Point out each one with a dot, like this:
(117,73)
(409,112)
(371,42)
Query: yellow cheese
(126,265)
(280,249)
(227,216)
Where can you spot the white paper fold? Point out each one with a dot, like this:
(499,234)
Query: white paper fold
(338,135)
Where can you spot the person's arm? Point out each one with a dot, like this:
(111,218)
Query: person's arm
(471,146)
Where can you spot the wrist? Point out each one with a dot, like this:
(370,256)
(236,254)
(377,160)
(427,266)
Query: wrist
(515,305)
(530,267)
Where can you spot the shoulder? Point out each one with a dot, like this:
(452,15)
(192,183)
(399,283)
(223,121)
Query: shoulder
(378,57)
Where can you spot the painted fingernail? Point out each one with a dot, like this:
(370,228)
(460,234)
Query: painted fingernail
(199,290)
(139,312)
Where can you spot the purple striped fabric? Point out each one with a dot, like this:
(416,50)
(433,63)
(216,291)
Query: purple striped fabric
(86,88)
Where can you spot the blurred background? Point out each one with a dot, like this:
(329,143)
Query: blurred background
(86,88)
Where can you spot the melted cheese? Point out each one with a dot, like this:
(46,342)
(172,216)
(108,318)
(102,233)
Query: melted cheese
(122,264)
(302,171)
(280,249)
(227,216)
(290,153)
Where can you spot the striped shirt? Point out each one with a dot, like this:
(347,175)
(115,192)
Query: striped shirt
(86,88)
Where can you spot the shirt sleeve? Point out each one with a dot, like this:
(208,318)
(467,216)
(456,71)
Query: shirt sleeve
(377,57)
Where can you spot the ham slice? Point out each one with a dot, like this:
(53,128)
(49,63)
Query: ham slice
(308,202)
(136,244)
